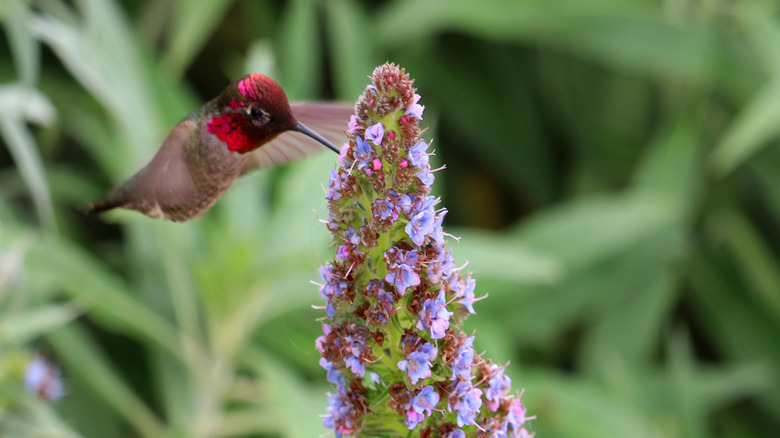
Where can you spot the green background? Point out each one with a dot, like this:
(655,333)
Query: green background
(612,171)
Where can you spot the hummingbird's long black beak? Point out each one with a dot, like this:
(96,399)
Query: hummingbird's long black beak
(303,129)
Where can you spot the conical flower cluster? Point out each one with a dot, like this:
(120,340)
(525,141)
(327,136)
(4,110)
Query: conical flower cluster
(395,301)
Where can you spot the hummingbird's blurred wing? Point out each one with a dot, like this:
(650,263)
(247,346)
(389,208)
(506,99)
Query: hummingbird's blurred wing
(165,182)
(327,119)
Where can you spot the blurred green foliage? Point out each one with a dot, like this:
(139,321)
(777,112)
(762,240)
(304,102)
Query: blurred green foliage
(612,167)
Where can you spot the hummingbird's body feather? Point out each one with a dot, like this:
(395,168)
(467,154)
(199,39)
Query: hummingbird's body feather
(237,132)
(183,180)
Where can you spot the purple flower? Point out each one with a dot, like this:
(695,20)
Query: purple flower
(418,364)
(421,406)
(434,316)
(344,252)
(375,133)
(356,345)
(402,201)
(334,376)
(463,359)
(354,124)
(422,220)
(42,378)
(426,400)
(363,152)
(495,427)
(429,350)
(467,407)
(413,418)
(320,341)
(383,309)
(343,159)
(441,268)
(415,110)
(465,291)
(420,226)
(426,204)
(351,236)
(391,260)
(516,415)
(355,365)
(438,231)
(363,149)
(403,270)
(334,187)
(333,286)
(341,414)
(498,385)
(384,209)
(425,176)
(418,155)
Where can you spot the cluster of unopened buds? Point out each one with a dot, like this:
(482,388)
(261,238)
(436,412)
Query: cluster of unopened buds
(395,301)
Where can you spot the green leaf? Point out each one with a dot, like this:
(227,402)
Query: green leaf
(17,105)
(101,53)
(24,47)
(622,35)
(192,24)
(739,329)
(299,58)
(579,408)
(586,230)
(90,285)
(752,130)
(671,168)
(350,45)
(297,406)
(33,323)
(509,260)
(86,362)
(752,256)
(628,329)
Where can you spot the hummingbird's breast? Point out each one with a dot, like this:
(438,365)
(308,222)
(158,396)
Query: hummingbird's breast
(209,170)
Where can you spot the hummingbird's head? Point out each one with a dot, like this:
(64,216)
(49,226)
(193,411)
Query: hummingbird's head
(251,112)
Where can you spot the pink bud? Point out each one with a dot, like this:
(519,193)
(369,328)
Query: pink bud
(391,135)
(376,164)
(403,120)
(403,164)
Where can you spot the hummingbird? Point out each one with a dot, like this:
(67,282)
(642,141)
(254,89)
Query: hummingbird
(250,125)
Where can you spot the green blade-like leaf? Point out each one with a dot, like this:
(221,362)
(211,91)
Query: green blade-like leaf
(350,45)
(193,23)
(17,105)
(82,359)
(31,324)
(87,281)
(509,260)
(753,128)
(299,58)
(26,51)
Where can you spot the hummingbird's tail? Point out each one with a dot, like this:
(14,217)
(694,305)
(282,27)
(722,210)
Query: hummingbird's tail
(101,205)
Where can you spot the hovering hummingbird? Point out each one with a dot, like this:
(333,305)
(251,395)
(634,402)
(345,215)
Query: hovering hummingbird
(235,133)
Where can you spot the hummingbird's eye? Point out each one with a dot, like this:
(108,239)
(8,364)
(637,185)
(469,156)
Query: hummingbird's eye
(256,113)
(259,116)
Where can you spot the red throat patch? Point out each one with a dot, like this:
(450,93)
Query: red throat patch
(228,129)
